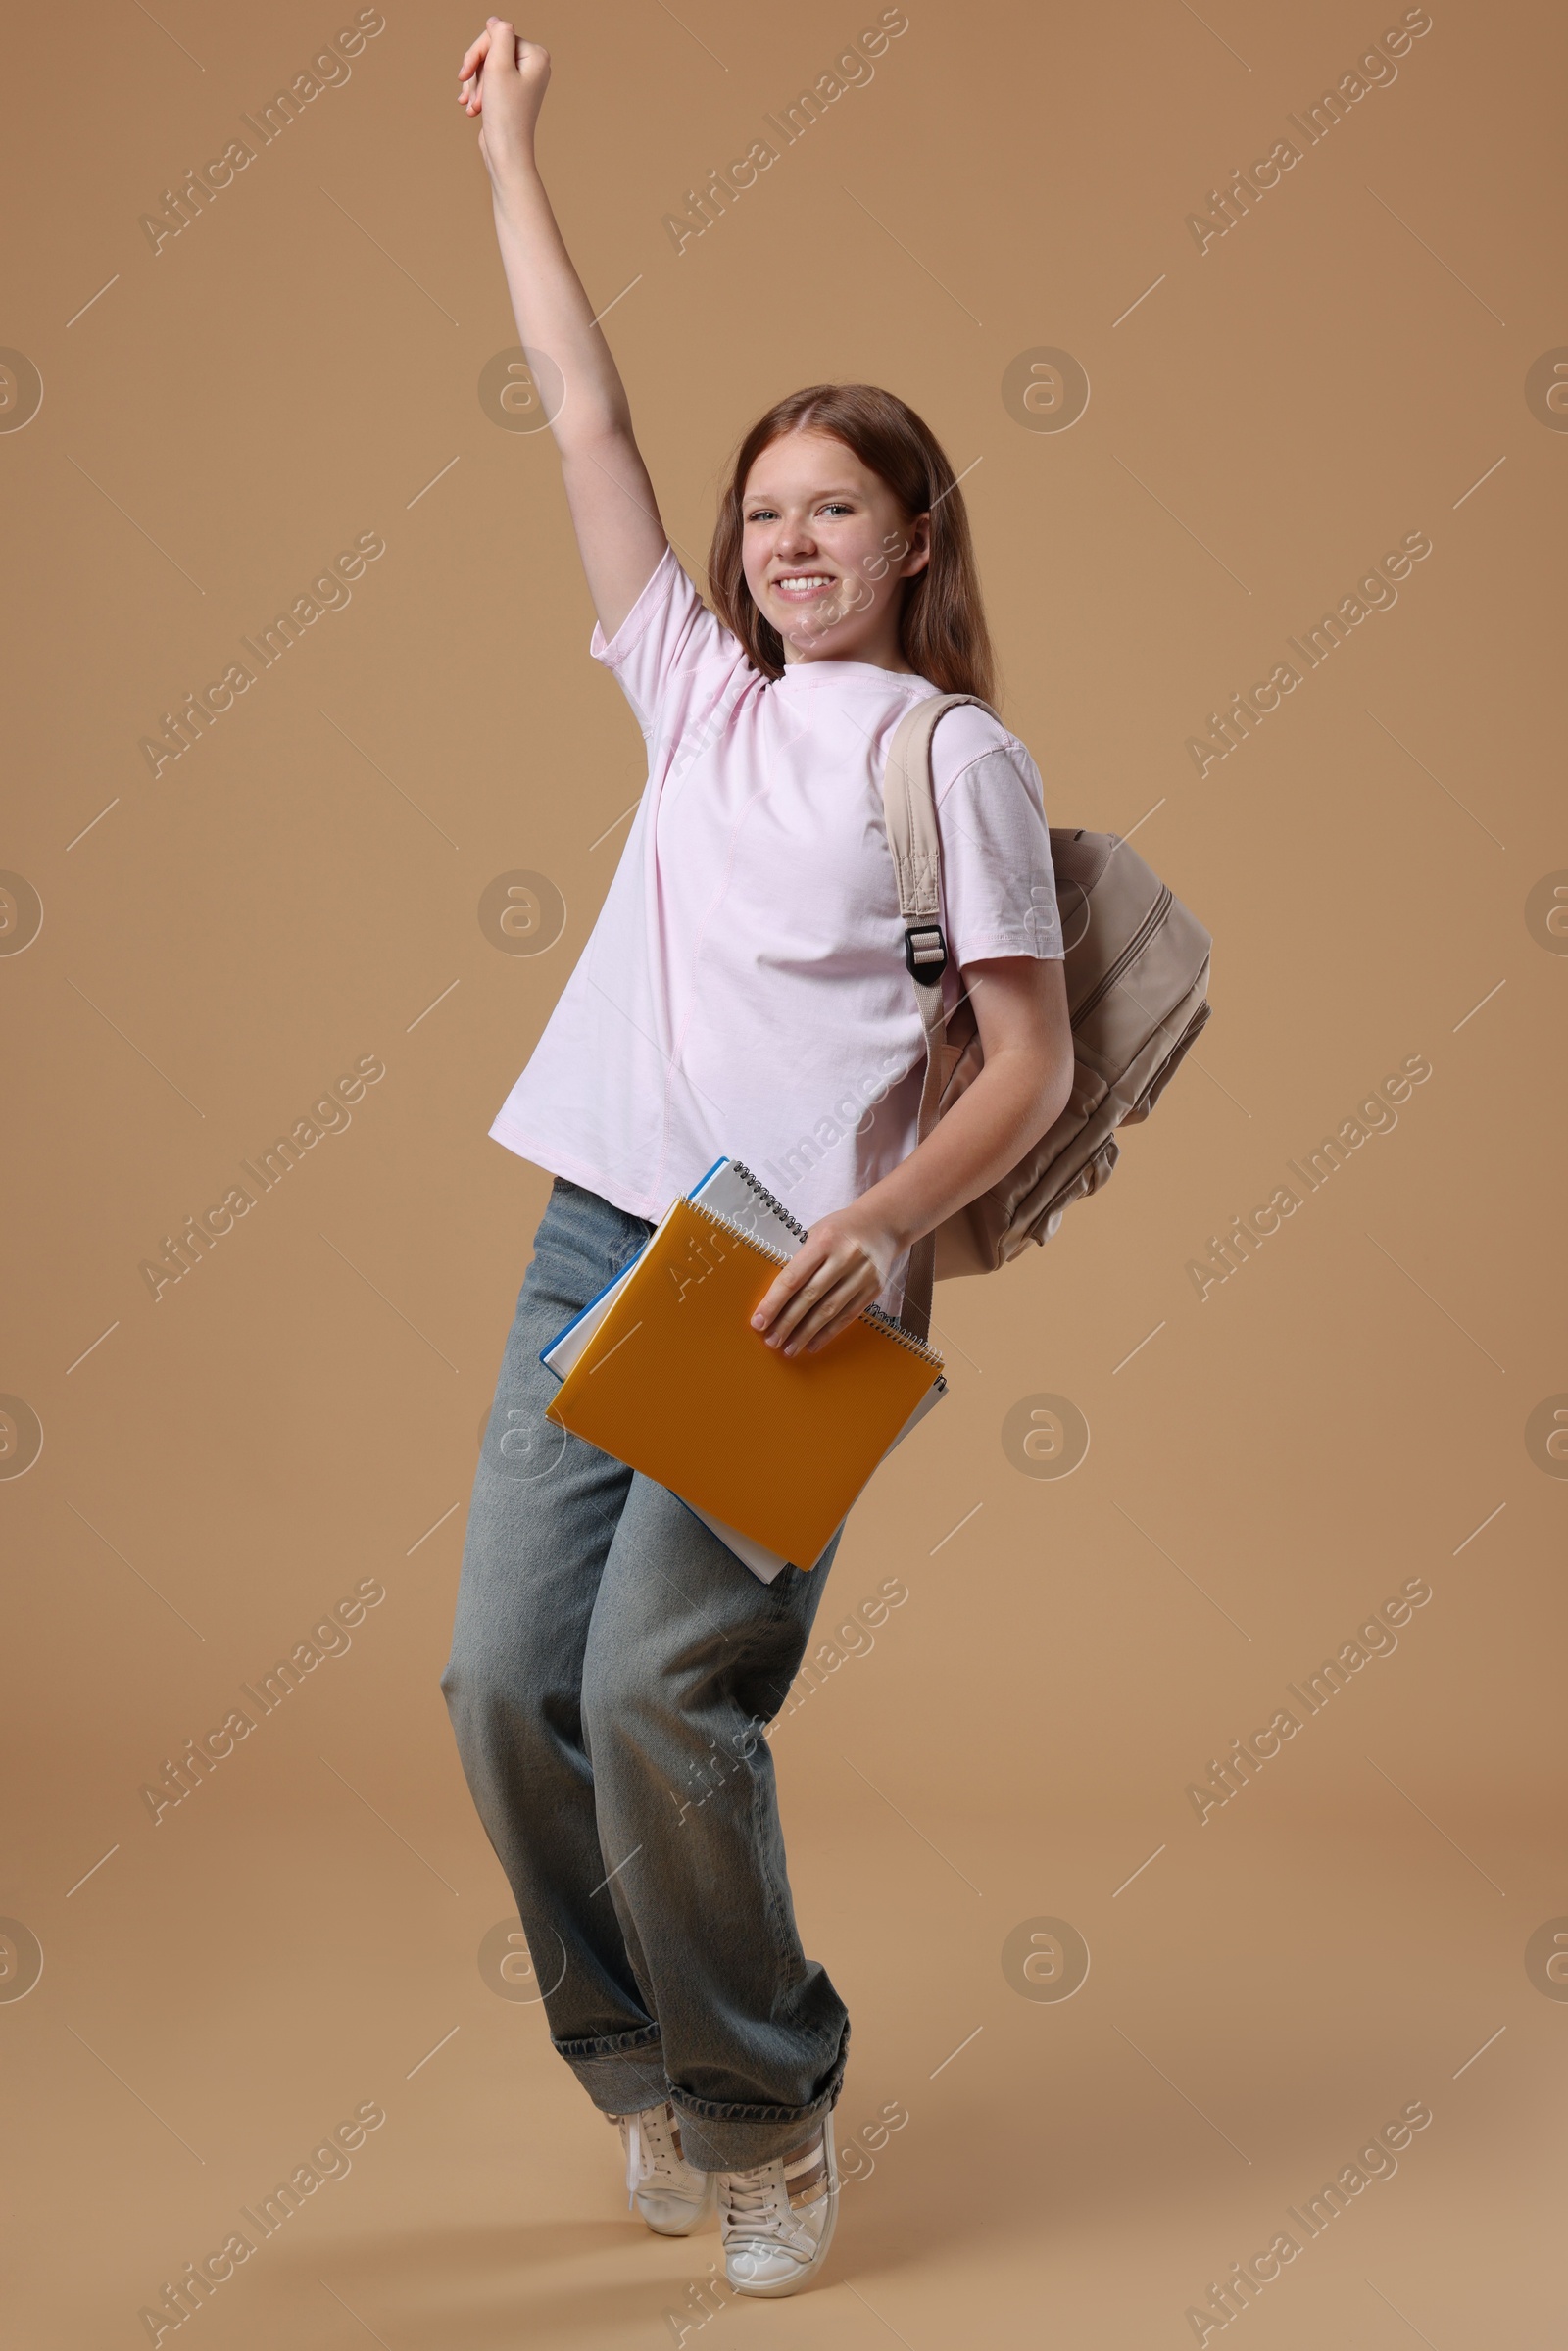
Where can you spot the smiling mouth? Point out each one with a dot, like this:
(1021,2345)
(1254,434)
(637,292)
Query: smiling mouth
(802,587)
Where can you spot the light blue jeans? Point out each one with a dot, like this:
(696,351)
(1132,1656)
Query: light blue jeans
(613,1668)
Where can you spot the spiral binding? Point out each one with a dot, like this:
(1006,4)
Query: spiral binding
(775,1207)
(882,1320)
(876,1317)
(765,1248)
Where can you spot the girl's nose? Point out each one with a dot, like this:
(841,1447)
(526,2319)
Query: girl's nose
(794,538)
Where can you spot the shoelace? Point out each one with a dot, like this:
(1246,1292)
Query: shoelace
(652,2147)
(758,2204)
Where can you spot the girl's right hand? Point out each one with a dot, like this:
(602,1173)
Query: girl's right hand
(503,79)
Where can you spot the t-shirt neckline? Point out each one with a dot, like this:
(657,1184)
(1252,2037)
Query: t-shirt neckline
(855,669)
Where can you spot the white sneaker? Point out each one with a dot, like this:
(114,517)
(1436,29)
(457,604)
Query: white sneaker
(672,2194)
(777,2220)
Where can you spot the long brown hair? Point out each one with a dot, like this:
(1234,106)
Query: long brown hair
(942,624)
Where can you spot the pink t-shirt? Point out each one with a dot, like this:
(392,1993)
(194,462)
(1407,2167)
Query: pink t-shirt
(743,992)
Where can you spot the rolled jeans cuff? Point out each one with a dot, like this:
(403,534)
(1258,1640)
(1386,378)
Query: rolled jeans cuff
(731,2138)
(627,2074)
(622,2073)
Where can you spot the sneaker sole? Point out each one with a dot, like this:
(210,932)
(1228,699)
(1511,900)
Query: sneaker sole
(809,2270)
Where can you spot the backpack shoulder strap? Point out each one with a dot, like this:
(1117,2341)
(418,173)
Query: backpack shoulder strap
(909,802)
(910,809)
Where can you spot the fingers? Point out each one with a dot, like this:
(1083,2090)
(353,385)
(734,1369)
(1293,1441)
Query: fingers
(789,1332)
(469,73)
(819,1292)
(835,1314)
(790,1279)
(503,45)
(492,52)
(824,1305)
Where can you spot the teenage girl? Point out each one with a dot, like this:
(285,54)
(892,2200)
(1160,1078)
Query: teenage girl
(744,993)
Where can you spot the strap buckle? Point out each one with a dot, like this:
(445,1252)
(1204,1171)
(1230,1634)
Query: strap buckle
(925,950)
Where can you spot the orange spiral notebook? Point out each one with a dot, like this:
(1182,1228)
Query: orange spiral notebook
(675,1383)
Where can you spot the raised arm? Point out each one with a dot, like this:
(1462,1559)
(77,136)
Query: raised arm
(613,512)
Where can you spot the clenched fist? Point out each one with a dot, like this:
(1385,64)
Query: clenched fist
(503,79)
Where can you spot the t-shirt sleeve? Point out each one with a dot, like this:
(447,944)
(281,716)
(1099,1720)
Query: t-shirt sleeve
(674,659)
(998,883)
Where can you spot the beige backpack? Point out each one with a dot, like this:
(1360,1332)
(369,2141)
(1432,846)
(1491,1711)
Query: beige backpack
(1137,969)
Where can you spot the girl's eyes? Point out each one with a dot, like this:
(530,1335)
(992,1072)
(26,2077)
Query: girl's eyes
(830,506)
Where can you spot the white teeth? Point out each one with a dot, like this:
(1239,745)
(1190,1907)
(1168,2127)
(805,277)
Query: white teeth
(809,580)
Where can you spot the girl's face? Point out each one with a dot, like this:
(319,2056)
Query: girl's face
(825,548)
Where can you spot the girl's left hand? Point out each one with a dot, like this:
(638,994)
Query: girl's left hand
(837,1271)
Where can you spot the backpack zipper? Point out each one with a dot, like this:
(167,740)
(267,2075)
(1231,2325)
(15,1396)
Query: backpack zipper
(1133,948)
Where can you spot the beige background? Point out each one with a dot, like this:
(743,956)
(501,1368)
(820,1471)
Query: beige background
(301,365)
